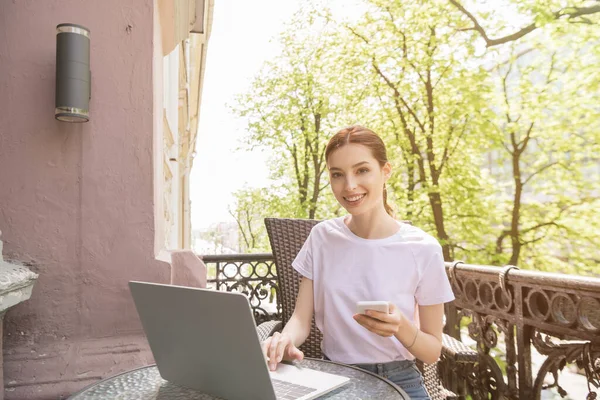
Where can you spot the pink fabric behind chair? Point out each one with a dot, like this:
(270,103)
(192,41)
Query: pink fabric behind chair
(187,269)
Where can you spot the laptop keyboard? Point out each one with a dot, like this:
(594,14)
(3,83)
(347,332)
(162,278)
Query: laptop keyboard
(290,391)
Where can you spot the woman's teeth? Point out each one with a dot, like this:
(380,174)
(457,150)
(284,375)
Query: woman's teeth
(354,199)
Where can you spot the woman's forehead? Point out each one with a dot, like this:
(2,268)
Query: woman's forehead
(349,155)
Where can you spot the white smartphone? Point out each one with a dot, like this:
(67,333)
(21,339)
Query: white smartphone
(381,306)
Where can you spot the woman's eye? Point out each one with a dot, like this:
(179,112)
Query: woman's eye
(363,171)
(336,175)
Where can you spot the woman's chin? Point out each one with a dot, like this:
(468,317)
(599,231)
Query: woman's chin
(356,210)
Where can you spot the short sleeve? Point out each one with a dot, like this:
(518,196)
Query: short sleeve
(434,286)
(303,263)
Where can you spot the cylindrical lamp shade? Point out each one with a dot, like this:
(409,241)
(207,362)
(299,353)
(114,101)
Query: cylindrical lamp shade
(73,76)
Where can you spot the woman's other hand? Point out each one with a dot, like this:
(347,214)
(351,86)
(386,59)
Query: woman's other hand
(383,324)
(280,347)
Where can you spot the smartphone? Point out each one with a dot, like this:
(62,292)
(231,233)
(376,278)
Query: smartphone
(381,306)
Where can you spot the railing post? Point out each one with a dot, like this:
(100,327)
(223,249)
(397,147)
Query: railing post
(524,333)
(452,326)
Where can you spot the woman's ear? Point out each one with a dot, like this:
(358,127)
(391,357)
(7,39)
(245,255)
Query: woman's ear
(387,170)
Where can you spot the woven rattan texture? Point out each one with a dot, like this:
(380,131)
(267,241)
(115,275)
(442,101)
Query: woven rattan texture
(287,237)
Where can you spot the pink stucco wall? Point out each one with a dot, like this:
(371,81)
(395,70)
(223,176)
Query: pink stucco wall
(76,200)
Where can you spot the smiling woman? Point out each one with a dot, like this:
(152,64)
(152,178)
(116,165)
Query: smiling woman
(363,180)
(367,256)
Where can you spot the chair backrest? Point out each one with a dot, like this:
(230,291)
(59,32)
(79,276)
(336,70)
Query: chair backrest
(287,237)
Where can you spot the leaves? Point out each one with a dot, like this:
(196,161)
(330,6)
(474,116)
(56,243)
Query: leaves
(495,151)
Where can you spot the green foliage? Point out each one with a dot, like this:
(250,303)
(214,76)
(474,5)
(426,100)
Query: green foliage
(495,149)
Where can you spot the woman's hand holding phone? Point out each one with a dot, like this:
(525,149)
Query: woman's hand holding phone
(384,324)
(280,347)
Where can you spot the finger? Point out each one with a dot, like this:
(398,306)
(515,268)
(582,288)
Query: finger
(273,351)
(367,320)
(373,324)
(381,330)
(393,319)
(281,347)
(384,333)
(382,316)
(265,347)
(360,319)
(363,321)
(293,353)
(273,344)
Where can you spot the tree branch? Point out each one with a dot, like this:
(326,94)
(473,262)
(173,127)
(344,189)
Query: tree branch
(388,81)
(538,226)
(239,224)
(539,171)
(569,12)
(404,47)
(523,143)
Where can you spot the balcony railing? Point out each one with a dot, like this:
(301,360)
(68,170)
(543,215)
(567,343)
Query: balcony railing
(512,314)
(250,274)
(507,314)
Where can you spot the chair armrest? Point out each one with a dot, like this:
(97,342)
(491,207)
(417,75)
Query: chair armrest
(268,328)
(457,350)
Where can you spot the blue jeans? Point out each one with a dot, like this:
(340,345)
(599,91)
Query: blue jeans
(403,373)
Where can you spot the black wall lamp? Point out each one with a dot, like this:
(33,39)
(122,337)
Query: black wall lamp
(73,75)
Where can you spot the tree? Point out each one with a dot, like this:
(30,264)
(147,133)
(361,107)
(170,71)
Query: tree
(248,214)
(431,91)
(495,146)
(549,124)
(293,106)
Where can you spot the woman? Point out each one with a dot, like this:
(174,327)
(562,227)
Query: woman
(367,255)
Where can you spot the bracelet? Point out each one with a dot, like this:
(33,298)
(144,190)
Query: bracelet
(414,340)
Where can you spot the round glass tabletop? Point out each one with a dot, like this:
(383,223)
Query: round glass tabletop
(146,384)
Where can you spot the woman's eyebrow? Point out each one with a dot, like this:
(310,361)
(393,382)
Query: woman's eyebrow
(354,166)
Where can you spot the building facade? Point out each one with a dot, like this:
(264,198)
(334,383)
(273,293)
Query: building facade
(90,206)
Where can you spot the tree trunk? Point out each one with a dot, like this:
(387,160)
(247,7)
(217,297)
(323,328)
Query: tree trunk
(438,216)
(515,236)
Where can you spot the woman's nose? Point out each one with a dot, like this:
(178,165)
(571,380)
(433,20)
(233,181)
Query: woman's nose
(350,184)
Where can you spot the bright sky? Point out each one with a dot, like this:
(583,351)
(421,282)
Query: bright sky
(238,46)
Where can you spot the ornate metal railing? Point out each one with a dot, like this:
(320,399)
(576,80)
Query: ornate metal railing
(250,274)
(508,313)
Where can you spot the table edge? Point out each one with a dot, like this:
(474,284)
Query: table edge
(387,381)
(110,378)
(392,384)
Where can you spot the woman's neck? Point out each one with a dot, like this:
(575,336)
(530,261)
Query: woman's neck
(375,224)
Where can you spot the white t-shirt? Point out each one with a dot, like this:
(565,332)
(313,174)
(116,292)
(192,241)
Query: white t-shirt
(406,268)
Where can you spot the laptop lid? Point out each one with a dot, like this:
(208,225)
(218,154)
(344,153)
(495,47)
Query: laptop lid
(204,339)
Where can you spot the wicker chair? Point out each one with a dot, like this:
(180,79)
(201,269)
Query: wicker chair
(287,237)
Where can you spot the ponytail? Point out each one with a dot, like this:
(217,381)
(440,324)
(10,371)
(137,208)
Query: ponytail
(387,207)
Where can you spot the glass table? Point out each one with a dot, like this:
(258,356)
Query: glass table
(146,384)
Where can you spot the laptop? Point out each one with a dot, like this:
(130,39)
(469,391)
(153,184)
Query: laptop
(207,340)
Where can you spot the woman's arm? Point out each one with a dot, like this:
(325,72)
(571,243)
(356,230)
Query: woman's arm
(298,327)
(424,343)
(285,344)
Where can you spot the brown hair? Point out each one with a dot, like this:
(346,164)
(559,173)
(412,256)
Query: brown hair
(360,135)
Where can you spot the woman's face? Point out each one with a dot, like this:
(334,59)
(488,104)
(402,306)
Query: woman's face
(356,178)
